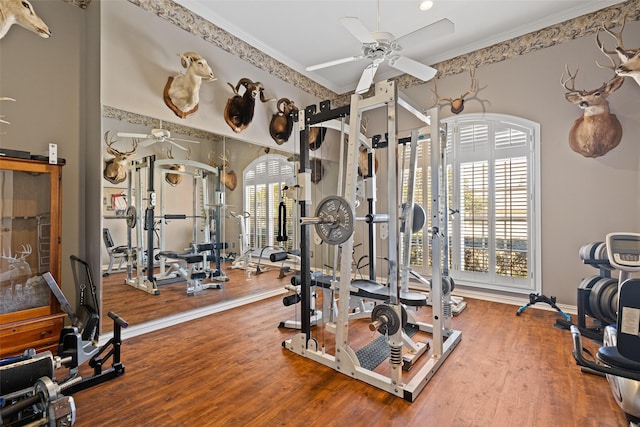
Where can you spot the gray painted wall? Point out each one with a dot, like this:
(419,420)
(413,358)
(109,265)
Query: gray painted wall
(55,82)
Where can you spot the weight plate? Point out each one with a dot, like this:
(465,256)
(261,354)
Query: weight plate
(336,220)
(447,285)
(587,252)
(588,284)
(392,323)
(132,215)
(609,292)
(594,297)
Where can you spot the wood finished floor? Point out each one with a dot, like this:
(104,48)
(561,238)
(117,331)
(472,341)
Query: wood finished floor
(229,369)
(137,306)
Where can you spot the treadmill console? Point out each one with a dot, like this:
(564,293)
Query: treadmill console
(623,250)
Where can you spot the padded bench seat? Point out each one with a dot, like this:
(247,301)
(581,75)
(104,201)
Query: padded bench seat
(612,357)
(189,258)
(372,290)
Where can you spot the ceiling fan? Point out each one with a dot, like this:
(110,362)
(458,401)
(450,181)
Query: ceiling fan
(157,135)
(379,47)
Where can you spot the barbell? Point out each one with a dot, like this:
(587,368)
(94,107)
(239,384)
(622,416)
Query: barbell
(335,219)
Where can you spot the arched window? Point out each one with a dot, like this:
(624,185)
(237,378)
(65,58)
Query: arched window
(264,182)
(493,190)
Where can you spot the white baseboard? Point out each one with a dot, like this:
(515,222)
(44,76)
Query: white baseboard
(511,300)
(165,322)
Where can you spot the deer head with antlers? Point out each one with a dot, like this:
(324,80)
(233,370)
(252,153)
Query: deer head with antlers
(228,178)
(629,58)
(18,265)
(597,131)
(115,169)
(457,104)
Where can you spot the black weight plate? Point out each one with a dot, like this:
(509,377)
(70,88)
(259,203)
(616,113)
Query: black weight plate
(594,298)
(588,283)
(608,293)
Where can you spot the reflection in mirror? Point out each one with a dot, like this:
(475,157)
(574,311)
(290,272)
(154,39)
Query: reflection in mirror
(219,235)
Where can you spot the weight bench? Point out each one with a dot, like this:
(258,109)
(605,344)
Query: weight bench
(190,267)
(370,289)
(284,256)
(115,252)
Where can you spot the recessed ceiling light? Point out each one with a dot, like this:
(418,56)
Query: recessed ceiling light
(426,5)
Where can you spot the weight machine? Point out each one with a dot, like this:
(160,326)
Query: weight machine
(334,224)
(29,393)
(192,265)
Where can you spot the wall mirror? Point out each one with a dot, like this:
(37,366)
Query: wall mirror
(242,217)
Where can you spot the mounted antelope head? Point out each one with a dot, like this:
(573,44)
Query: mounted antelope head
(175,178)
(115,170)
(182,92)
(238,112)
(597,131)
(282,123)
(629,58)
(21,12)
(229,179)
(457,104)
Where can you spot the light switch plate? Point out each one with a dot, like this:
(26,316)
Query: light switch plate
(53,154)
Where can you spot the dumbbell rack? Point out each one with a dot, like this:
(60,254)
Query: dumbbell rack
(596,330)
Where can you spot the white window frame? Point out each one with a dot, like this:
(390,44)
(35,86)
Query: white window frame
(252,179)
(491,280)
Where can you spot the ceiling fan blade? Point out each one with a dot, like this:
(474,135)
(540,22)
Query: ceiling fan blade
(334,62)
(415,68)
(185,140)
(357,29)
(176,144)
(367,77)
(131,135)
(429,32)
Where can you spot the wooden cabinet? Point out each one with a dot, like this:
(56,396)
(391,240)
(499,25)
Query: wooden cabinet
(30,238)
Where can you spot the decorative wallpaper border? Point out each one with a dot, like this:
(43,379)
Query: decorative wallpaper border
(541,39)
(82,4)
(546,37)
(139,119)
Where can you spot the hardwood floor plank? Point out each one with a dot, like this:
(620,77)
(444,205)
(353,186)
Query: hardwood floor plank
(230,369)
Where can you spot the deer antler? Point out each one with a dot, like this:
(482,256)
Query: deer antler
(571,78)
(438,99)
(457,104)
(26,250)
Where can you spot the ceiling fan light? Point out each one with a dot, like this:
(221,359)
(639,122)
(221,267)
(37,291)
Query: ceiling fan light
(426,5)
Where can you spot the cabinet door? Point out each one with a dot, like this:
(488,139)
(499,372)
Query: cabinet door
(29,238)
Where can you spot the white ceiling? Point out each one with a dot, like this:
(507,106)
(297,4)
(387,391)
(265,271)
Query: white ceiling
(300,33)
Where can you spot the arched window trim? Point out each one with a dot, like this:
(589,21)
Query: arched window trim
(491,154)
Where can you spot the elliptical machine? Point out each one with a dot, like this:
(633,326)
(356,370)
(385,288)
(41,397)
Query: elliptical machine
(620,354)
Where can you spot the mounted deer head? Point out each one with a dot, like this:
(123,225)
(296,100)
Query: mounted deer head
(21,12)
(115,170)
(228,179)
(175,178)
(597,131)
(19,268)
(629,58)
(457,104)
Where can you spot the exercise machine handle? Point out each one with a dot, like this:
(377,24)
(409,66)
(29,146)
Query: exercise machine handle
(119,320)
